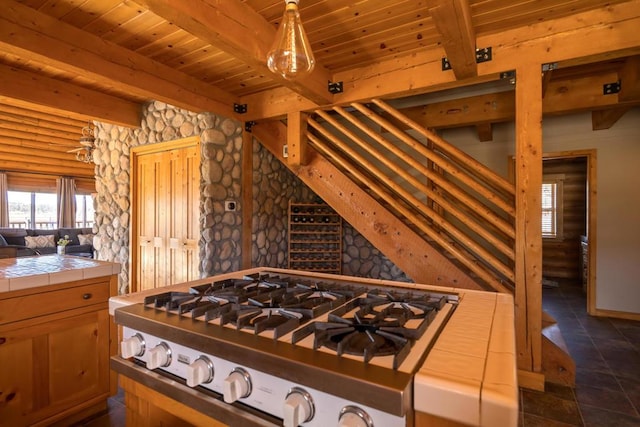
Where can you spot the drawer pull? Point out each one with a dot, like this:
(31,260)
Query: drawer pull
(87,296)
(2,340)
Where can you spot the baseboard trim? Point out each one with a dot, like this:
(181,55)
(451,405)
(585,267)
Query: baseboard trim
(617,314)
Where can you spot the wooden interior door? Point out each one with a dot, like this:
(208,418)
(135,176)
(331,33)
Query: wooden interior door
(165,211)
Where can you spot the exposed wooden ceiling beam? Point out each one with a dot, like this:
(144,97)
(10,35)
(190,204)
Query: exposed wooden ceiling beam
(89,104)
(25,32)
(422,72)
(235,28)
(572,38)
(563,97)
(453,21)
(630,80)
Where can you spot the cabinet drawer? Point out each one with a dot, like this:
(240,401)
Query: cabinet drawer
(47,302)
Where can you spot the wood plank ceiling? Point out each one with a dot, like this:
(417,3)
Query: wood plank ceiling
(66,62)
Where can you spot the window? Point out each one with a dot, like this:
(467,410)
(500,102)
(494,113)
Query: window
(552,206)
(84,210)
(32,210)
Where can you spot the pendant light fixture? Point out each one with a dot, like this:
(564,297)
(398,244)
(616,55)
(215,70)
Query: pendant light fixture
(290,55)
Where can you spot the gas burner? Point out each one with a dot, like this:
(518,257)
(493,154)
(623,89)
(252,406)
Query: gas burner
(169,300)
(258,319)
(362,339)
(414,299)
(372,326)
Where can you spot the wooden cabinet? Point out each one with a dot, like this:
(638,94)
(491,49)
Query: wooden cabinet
(315,238)
(54,352)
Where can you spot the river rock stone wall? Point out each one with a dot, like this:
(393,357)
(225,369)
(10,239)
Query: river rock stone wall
(220,248)
(221,143)
(360,258)
(273,186)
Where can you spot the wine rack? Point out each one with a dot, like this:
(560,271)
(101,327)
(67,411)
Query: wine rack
(315,238)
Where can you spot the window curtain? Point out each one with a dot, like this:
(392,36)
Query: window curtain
(66,202)
(4,200)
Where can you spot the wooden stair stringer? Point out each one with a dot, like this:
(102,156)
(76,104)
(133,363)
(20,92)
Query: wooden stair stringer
(405,248)
(558,366)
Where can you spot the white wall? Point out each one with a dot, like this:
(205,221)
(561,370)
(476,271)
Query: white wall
(618,192)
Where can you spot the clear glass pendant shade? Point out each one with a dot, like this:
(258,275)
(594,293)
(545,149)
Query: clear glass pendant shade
(290,55)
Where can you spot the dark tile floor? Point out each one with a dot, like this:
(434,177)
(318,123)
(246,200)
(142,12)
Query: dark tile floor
(607,356)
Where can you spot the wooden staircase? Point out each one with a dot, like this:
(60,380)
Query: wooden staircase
(438,214)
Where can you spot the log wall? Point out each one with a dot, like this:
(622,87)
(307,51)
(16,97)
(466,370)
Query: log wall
(561,258)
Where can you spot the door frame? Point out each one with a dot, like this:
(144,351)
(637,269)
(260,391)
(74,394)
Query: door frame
(592,203)
(135,153)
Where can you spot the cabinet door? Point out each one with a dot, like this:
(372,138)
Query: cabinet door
(16,378)
(50,367)
(166,213)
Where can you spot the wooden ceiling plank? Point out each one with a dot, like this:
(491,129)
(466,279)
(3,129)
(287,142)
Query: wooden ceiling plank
(577,36)
(604,119)
(234,27)
(453,21)
(23,32)
(88,104)
(630,80)
(421,72)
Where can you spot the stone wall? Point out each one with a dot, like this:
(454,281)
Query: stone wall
(273,186)
(221,143)
(220,248)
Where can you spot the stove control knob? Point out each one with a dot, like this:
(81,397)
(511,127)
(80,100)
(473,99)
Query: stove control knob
(352,416)
(132,346)
(298,407)
(159,356)
(199,372)
(237,385)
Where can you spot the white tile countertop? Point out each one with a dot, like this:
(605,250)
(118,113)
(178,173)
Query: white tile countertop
(28,272)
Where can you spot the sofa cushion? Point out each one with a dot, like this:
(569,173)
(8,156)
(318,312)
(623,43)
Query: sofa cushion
(42,241)
(14,236)
(85,239)
(73,234)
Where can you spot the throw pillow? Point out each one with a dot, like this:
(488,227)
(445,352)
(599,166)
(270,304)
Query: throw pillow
(46,241)
(3,241)
(85,239)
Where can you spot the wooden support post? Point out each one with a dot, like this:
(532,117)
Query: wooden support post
(247,198)
(297,138)
(528,256)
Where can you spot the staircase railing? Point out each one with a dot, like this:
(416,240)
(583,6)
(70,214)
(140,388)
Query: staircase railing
(454,201)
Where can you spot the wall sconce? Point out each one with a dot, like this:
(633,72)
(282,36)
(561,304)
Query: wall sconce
(290,55)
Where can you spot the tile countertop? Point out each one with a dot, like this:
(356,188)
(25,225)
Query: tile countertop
(28,272)
(469,376)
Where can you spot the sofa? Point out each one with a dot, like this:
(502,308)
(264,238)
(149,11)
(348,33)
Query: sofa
(45,241)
